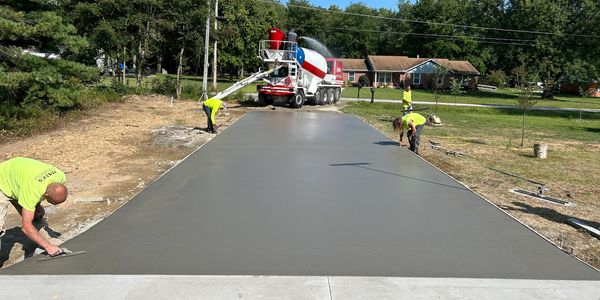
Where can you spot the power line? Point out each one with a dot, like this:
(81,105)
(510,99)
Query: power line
(428,22)
(500,41)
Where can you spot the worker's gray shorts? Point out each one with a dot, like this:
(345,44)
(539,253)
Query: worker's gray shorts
(4,203)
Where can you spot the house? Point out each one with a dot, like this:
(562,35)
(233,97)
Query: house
(571,87)
(399,71)
(353,68)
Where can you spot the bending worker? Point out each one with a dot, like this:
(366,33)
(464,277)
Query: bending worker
(406,100)
(413,123)
(25,182)
(211,107)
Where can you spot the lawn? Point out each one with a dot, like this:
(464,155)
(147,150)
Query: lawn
(191,86)
(491,138)
(502,97)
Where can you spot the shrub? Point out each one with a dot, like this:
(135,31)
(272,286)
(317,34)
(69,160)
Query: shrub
(497,78)
(164,85)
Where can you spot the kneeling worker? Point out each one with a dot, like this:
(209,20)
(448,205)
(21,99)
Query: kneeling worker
(211,107)
(25,182)
(413,123)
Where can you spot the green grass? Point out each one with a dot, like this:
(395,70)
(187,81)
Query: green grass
(503,123)
(191,86)
(502,97)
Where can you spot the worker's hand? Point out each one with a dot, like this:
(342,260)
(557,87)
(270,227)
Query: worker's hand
(53,250)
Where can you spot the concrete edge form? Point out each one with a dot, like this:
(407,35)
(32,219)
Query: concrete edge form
(484,198)
(288,287)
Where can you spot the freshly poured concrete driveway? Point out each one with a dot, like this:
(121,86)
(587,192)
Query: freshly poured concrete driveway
(299,193)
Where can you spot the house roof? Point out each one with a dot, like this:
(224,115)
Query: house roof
(404,63)
(393,63)
(354,64)
(463,67)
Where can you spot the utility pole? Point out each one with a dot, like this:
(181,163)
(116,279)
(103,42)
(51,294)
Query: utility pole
(204,94)
(214,83)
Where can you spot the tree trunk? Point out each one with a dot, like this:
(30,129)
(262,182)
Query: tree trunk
(159,65)
(547,94)
(142,51)
(112,68)
(179,68)
(123,70)
(135,63)
(523,129)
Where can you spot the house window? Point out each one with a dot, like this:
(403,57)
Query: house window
(351,76)
(440,80)
(416,79)
(384,78)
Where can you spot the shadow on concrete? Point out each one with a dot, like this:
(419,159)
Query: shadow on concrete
(546,213)
(386,143)
(16,236)
(363,165)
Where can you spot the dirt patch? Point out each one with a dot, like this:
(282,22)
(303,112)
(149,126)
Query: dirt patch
(113,152)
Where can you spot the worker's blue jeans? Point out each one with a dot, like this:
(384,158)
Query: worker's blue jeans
(415,140)
(208,112)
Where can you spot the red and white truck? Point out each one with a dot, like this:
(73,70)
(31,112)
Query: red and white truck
(302,74)
(294,75)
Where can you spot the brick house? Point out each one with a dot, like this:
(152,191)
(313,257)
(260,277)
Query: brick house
(399,71)
(352,69)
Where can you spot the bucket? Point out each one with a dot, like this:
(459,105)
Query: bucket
(275,37)
(540,150)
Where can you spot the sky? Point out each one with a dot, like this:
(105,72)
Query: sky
(390,4)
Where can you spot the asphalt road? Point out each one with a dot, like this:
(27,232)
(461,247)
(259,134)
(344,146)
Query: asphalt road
(301,193)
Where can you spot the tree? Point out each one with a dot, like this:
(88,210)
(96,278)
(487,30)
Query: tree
(438,75)
(31,84)
(247,23)
(526,99)
(455,88)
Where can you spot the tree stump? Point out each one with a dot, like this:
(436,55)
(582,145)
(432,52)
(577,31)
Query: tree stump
(540,150)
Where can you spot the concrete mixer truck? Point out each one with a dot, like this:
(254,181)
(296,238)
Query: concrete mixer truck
(299,75)
(294,75)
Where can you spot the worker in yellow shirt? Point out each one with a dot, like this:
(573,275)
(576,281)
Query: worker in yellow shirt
(413,123)
(25,183)
(406,100)
(211,107)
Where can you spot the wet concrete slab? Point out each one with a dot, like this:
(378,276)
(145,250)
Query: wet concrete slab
(310,194)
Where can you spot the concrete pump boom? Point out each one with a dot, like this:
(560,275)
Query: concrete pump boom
(242,83)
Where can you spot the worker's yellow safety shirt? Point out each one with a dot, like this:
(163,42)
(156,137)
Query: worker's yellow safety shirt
(416,118)
(406,98)
(26,180)
(214,105)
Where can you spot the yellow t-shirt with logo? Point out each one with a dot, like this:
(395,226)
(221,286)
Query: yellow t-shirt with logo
(215,105)
(26,180)
(416,118)
(407,98)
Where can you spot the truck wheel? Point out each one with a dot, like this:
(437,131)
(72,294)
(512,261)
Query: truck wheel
(298,99)
(323,93)
(319,97)
(330,95)
(337,95)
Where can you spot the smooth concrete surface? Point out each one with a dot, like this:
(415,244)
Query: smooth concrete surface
(300,193)
(297,288)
